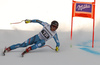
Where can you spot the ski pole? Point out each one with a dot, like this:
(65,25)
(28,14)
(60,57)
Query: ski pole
(17,22)
(48,46)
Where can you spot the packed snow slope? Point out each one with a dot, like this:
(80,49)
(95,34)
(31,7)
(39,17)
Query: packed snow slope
(81,52)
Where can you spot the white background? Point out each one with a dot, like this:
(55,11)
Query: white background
(45,10)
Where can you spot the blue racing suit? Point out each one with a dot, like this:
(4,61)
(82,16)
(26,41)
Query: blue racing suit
(39,40)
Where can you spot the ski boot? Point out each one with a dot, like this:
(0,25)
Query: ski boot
(6,50)
(26,51)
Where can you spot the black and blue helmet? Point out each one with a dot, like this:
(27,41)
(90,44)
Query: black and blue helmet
(55,24)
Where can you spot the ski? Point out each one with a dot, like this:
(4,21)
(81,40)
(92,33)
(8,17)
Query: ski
(23,53)
(4,51)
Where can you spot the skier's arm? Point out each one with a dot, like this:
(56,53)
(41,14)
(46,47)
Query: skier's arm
(57,42)
(35,21)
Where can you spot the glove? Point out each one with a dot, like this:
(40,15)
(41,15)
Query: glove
(27,21)
(57,48)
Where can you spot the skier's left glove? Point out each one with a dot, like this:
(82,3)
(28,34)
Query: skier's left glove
(27,21)
(57,48)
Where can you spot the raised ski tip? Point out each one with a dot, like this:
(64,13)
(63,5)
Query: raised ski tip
(3,54)
(4,51)
(22,55)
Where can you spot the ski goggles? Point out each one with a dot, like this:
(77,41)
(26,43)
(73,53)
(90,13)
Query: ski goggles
(54,26)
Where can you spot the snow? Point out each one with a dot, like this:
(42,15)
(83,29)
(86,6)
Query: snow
(46,56)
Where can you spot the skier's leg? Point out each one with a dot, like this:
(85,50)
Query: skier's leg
(30,41)
(38,44)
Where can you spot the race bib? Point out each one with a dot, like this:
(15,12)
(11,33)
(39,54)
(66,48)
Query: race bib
(45,34)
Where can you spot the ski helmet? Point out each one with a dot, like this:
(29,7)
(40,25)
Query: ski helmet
(54,24)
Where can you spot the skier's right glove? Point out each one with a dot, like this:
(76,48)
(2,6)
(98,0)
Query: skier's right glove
(27,21)
(57,48)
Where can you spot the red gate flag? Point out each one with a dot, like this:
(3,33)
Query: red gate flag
(83,9)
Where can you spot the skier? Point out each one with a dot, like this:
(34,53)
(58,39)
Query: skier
(38,41)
